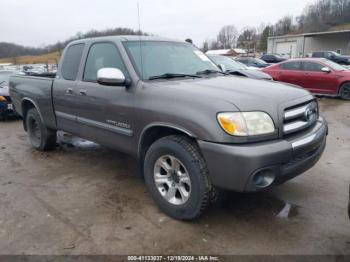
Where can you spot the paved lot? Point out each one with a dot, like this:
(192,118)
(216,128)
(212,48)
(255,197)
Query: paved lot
(85,199)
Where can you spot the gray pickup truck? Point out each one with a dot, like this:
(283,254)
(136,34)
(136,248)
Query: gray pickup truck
(193,129)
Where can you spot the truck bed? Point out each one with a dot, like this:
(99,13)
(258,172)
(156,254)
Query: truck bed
(34,89)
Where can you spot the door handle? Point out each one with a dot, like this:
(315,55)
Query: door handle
(82,92)
(69,91)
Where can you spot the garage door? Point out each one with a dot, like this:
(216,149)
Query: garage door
(288,49)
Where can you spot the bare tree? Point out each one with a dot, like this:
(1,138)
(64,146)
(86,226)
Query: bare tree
(324,14)
(227,36)
(248,39)
(284,26)
(205,46)
(214,44)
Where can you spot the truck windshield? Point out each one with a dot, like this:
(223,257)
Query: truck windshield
(168,58)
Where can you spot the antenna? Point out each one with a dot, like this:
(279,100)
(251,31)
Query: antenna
(139,22)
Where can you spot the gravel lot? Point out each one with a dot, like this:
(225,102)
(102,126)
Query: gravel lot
(85,199)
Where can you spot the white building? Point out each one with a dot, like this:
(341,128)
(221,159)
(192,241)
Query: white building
(301,45)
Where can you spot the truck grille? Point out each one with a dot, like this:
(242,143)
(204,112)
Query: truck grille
(300,117)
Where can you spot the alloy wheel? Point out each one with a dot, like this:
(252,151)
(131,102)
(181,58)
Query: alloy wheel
(172,180)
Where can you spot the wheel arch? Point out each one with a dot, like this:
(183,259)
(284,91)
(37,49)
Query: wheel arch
(26,105)
(155,131)
(341,84)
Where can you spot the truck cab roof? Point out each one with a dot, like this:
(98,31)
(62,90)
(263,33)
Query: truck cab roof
(124,38)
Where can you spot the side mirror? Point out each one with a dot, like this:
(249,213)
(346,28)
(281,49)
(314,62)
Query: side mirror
(222,68)
(325,69)
(111,76)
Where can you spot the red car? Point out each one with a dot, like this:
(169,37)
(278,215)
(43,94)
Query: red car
(320,76)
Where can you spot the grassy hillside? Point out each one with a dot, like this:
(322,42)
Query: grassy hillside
(51,58)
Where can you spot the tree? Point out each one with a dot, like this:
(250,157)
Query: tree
(263,39)
(248,39)
(227,36)
(205,46)
(284,26)
(214,45)
(324,14)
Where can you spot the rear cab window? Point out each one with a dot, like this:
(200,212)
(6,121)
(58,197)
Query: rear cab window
(71,61)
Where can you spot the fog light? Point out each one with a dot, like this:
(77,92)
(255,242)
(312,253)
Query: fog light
(264,178)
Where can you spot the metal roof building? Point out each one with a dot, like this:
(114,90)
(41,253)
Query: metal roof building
(301,45)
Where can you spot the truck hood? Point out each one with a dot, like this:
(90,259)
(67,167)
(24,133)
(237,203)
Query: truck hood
(244,93)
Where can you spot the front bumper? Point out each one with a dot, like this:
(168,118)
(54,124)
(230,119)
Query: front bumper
(257,166)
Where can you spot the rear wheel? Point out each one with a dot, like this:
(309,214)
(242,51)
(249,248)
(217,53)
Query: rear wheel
(177,177)
(344,91)
(41,137)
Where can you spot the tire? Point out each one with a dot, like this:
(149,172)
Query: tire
(344,91)
(41,137)
(193,189)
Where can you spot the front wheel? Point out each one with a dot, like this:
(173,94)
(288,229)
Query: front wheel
(344,91)
(177,177)
(41,137)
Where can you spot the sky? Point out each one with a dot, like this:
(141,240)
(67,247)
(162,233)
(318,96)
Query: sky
(41,22)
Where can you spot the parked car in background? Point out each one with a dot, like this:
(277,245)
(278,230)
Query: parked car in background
(233,67)
(320,75)
(272,58)
(252,62)
(333,56)
(6,107)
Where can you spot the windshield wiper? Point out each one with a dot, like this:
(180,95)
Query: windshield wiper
(209,71)
(2,83)
(172,75)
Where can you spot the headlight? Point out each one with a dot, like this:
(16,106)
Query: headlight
(246,123)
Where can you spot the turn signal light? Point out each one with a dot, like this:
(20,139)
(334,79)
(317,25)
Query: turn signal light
(2,99)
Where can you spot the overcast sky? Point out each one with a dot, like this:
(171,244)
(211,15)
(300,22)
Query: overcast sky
(39,22)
